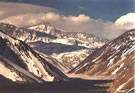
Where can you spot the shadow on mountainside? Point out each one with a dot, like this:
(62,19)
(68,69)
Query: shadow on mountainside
(4,80)
(42,34)
(8,53)
(75,85)
(50,48)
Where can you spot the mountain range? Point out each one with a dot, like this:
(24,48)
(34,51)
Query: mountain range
(56,43)
(44,53)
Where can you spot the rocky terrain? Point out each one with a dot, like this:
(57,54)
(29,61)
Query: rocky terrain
(56,43)
(54,52)
(20,63)
(115,59)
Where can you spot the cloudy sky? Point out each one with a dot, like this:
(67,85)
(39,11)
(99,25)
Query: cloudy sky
(104,18)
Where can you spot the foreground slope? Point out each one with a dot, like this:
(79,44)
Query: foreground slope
(30,36)
(20,63)
(45,38)
(115,59)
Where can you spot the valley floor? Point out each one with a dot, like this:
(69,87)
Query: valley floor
(75,85)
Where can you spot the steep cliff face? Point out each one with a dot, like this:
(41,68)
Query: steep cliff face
(115,59)
(56,43)
(24,64)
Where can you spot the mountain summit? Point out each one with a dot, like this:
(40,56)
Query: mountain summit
(69,48)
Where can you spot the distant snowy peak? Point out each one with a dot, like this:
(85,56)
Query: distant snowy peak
(81,38)
(25,62)
(56,43)
(66,44)
(48,33)
(42,27)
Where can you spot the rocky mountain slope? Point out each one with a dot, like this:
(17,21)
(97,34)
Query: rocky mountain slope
(115,59)
(56,43)
(20,63)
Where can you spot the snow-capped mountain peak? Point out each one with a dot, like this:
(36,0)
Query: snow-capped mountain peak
(43,27)
(58,44)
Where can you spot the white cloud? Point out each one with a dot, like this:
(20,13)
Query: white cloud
(32,15)
(13,9)
(127,21)
(51,16)
(81,7)
(80,23)
(2,13)
(30,19)
(79,19)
